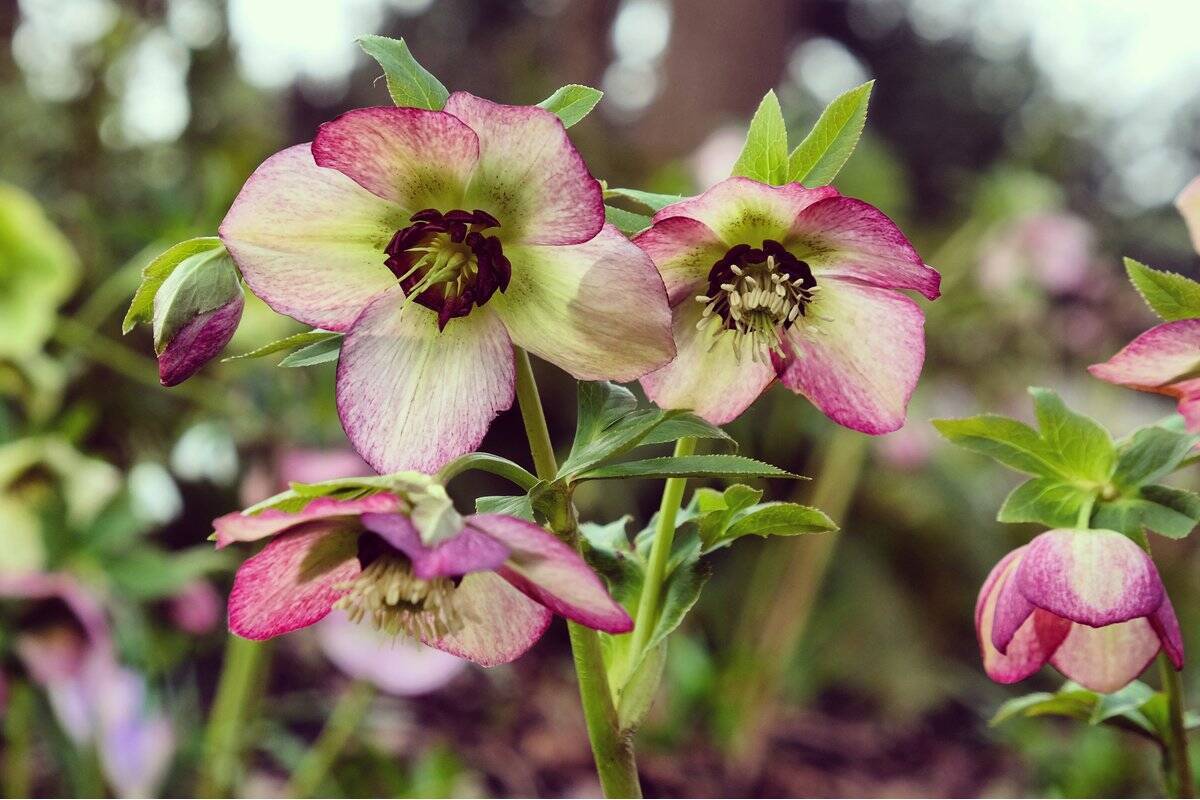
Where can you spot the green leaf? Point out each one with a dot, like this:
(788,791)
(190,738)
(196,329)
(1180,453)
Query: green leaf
(706,466)
(572,102)
(1075,703)
(1151,454)
(1181,500)
(627,222)
(776,519)
(1083,446)
(1046,500)
(319,352)
(765,156)
(1171,296)
(198,284)
(513,505)
(652,200)
(817,160)
(714,511)
(598,404)
(636,696)
(1010,442)
(409,84)
(150,574)
(141,309)
(1130,515)
(286,343)
(687,424)
(1120,702)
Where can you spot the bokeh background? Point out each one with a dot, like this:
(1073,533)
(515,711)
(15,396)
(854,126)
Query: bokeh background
(1025,146)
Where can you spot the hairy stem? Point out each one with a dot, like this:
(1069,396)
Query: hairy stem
(660,551)
(225,735)
(612,748)
(342,723)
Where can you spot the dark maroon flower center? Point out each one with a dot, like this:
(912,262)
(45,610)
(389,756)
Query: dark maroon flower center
(757,293)
(447,263)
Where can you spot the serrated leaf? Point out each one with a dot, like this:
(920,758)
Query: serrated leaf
(714,511)
(627,222)
(1151,454)
(776,519)
(1130,515)
(1170,295)
(1010,442)
(286,343)
(318,353)
(599,404)
(513,505)
(141,308)
(818,159)
(765,155)
(686,424)
(1083,446)
(1048,501)
(572,102)
(652,200)
(706,466)
(409,84)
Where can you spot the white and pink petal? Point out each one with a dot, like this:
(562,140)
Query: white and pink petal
(240,527)
(469,551)
(684,250)
(1107,658)
(1033,642)
(501,622)
(744,211)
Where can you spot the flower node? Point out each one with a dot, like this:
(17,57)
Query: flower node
(756,293)
(446,263)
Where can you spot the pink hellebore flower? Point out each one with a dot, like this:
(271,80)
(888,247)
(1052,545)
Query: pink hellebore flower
(437,240)
(788,282)
(484,587)
(1089,602)
(1166,358)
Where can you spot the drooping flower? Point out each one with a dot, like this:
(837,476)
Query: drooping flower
(1089,602)
(437,240)
(66,647)
(483,587)
(785,282)
(1166,358)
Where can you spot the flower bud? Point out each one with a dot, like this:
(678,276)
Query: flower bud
(196,311)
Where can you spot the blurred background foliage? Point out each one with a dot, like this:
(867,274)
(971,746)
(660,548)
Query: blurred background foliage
(1023,146)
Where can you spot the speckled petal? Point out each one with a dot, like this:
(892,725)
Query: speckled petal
(744,211)
(1105,659)
(239,527)
(1033,642)
(684,250)
(502,622)
(469,551)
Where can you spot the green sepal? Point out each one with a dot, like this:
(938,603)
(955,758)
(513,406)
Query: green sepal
(572,102)
(200,283)
(409,84)
(319,352)
(653,201)
(141,308)
(764,157)
(818,159)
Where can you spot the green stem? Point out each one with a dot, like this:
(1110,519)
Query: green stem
(660,551)
(224,736)
(19,720)
(612,748)
(342,723)
(1084,520)
(485,462)
(1177,747)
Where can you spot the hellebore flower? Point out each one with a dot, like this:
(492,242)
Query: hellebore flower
(437,240)
(1089,602)
(196,312)
(396,666)
(66,647)
(788,282)
(1166,358)
(484,587)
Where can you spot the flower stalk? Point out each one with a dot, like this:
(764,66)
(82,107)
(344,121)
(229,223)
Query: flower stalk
(244,664)
(612,748)
(339,728)
(1178,763)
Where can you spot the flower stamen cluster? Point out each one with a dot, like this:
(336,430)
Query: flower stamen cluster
(397,602)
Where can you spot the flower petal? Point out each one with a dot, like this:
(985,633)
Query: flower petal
(293,582)
(396,665)
(309,241)
(412,397)
(530,176)
(553,573)
(1161,360)
(417,159)
(1093,577)
(1188,203)
(469,551)
(684,250)
(1033,641)
(1106,659)
(709,379)
(598,310)
(239,527)
(199,341)
(502,622)
(852,239)
(744,211)
(863,365)
(1166,625)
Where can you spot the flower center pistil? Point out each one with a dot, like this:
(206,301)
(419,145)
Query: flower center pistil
(390,597)
(447,262)
(756,293)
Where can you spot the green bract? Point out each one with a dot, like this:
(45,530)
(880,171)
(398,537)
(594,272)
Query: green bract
(1171,296)
(200,283)
(818,159)
(572,102)
(764,157)
(409,84)
(141,308)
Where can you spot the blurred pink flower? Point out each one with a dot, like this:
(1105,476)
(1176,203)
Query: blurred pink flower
(196,609)
(95,699)
(1052,250)
(1089,602)
(395,665)
(483,587)
(798,284)
(1188,204)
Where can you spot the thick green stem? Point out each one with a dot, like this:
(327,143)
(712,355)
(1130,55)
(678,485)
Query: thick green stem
(1179,761)
(19,720)
(660,551)
(612,749)
(224,736)
(342,723)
